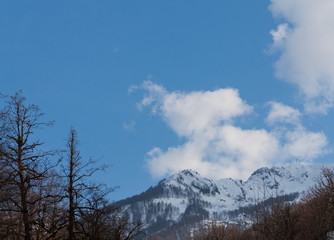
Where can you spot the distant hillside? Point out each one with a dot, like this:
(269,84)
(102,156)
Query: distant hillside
(187,198)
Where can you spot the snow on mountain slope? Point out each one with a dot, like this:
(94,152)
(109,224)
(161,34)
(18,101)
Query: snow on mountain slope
(188,195)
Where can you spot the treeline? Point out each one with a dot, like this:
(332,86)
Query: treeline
(312,218)
(48,194)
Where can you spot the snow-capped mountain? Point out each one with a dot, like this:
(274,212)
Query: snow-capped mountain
(187,197)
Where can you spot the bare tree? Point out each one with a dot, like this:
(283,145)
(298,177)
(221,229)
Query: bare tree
(50,212)
(78,189)
(34,204)
(24,164)
(95,217)
(317,209)
(280,221)
(214,231)
(123,229)
(89,214)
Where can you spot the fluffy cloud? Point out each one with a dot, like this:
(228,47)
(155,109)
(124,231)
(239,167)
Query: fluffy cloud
(230,152)
(280,35)
(307,49)
(214,145)
(304,145)
(281,113)
(192,113)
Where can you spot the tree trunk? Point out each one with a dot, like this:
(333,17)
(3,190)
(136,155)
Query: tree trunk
(71,217)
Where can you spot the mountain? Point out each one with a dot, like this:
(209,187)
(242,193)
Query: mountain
(187,198)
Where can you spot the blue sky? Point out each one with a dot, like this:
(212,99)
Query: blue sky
(134,78)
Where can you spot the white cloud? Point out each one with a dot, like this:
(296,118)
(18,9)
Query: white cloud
(214,145)
(231,152)
(242,151)
(190,113)
(304,145)
(280,35)
(155,94)
(308,50)
(280,113)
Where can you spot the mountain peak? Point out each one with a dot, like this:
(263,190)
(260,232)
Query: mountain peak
(187,193)
(186,176)
(189,172)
